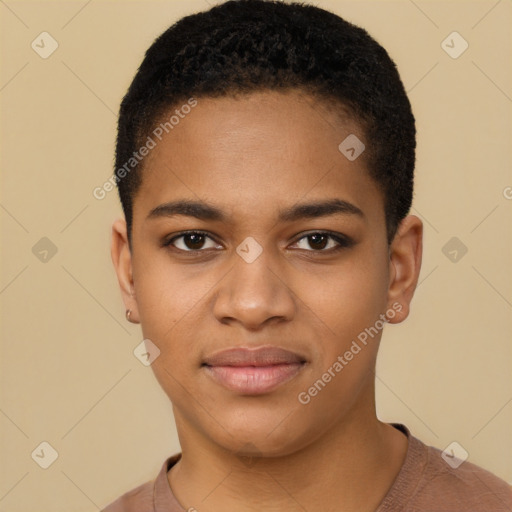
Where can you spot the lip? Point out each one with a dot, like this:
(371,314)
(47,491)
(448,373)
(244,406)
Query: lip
(253,371)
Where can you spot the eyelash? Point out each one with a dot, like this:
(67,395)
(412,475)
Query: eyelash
(343,241)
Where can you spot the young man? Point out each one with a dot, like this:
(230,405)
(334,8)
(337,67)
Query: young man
(265,160)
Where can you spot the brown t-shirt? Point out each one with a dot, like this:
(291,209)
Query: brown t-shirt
(425,483)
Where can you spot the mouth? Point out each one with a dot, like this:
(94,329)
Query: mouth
(253,371)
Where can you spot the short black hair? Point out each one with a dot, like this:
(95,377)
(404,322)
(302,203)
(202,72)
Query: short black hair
(245,46)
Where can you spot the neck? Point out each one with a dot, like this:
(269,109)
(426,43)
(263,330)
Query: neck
(350,468)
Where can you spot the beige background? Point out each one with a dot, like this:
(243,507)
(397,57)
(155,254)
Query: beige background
(68,373)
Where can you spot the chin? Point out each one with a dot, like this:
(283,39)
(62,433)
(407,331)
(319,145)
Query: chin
(263,438)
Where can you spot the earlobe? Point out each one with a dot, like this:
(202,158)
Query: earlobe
(122,260)
(404,266)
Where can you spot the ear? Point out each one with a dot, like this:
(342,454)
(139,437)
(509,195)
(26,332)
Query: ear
(122,260)
(405,255)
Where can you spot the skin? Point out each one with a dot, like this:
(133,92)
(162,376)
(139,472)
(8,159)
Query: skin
(252,157)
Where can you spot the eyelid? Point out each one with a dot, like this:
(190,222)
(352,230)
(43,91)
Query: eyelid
(168,241)
(341,239)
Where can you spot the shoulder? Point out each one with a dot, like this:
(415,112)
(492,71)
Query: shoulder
(467,485)
(432,480)
(139,499)
(146,496)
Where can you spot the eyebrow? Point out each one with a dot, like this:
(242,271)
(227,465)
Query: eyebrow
(204,211)
(319,209)
(197,209)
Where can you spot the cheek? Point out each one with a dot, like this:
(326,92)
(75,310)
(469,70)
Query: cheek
(350,304)
(169,305)
(168,302)
(167,295)
(346,299)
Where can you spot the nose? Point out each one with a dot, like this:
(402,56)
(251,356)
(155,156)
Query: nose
(254,294)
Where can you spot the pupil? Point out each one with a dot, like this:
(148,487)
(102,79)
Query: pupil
(195,239)
(316,239)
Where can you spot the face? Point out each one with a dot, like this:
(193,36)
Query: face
(252,230)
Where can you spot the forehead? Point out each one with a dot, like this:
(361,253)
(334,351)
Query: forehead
(265,148)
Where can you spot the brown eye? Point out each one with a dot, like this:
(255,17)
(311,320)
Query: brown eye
(324,242)
(192,241)
(318,241)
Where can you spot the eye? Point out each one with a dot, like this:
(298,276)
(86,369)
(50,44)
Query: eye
(191,241)
(324,241)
